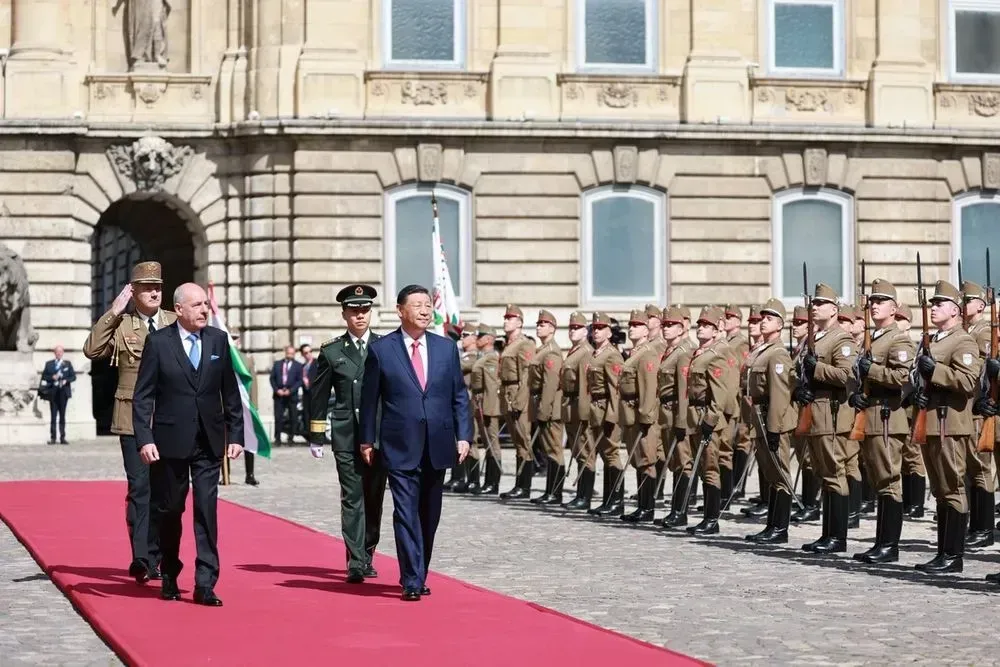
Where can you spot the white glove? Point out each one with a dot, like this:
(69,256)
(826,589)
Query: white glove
(316,451)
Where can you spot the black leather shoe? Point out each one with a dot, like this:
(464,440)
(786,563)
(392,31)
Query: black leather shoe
(168,589)
(206,597)
(755,511)
(251,481)
(355,576)
(807,513)
(370,572)
(63,441)
(425,591)
(154,573)
(139,571)
(410,596)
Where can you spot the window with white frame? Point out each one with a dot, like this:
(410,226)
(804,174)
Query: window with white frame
(806,37)
(976,227)
(616,35)
(424,33)
(409,251)
(975,38)
(815,227)
(623,248)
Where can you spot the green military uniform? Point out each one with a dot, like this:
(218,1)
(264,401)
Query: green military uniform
(576,411)
(339,372)
(485,386)
(546,411)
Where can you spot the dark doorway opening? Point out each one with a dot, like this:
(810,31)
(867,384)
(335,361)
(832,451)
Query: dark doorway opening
(131,230)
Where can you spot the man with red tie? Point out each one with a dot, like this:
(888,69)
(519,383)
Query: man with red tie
(286,380)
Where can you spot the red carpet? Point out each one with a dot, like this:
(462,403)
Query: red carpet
(284,603)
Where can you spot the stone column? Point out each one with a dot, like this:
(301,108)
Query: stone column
(901,84)
(37,73)
(331,71)
(716,78)
(278,28)
(523,71)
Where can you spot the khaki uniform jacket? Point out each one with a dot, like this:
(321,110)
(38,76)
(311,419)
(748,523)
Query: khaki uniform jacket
(707,391)
(121,339)
(468,360)
(485,383)
(638,401)
(954,382)
(687,343)
(835,352)
(671,387)
(892,357)
(543,382)
(740,347)
(514,361)
(602,373)
(980,332)
(769,386)
(248,362)
(573,382)
(731,378)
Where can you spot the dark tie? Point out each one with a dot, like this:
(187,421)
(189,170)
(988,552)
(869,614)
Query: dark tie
(151,327)
(361,347)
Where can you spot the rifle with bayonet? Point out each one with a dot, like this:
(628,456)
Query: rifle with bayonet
(860,419)
(921,384)
(805,411)
(988,433)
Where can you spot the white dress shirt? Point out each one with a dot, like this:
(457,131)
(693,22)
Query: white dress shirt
(408,342)
(184,333)
(364,337)
(154,318)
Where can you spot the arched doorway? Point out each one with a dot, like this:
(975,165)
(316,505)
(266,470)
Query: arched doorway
(141,227)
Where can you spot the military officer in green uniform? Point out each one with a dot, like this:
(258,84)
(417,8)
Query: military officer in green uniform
(339,371)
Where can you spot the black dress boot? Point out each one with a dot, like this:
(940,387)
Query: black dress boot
(918,492)
(890,526)
(853,502)
(647,503)
(758,506)
(953,542)
(616,502)
(584,491)
(810,505)
(472,475)
(522,483)
(492,481)
(739,465)
(836,542)
(461,484)
(558,484)
(676,518)
(661,470)
(550,480)
(981,534)
(769,528)
(726,478)
(862,555)
(710,522)
(609,478)
(693,484)
(778,533)
(939,558)
(867,493)
(825,515)
(907,484)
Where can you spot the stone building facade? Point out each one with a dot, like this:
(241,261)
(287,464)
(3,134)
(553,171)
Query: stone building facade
(585,153)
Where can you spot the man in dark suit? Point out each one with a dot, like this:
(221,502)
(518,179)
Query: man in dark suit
(185,409)
(286,380)
(414,379)
(338,371)
(60,376)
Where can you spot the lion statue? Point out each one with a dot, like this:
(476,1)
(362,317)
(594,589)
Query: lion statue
(16,332)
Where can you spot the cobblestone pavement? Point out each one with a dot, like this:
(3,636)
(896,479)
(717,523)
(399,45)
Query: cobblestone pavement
(720,599)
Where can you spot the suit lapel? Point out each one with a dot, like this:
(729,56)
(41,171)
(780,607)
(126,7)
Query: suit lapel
(351,351)
(178,347)
(432,357)
(206,357)
(404,357)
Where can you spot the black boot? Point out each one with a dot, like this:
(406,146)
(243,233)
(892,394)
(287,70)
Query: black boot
(693,484)
(867,493)
(678,514)
(739,465)
(455,472)
(616,501)
(879,526)
(558,484)
(550,481)
(758,506)
(918,492)
(647,503)
(710,522)
(853,502)
(890,526)
(810,507)
(661,470)
(907,484)
(609,480)
(781,514)
(825,516)
(726,478)
(769,527)
(522,484)
(472,474)
(584,491)
(492,481)
(981,533)
(951,531)
(837,540)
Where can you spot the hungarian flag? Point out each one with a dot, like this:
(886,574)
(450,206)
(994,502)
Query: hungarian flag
(255,438)
(447,319)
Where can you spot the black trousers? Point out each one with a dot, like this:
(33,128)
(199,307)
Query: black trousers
(141,535)
(285,415)
(57,413)
(169,482)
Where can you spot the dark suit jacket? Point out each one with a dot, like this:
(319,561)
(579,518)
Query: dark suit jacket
(68,376)
(338,371)
(294,377)
(171,399)
(414,420)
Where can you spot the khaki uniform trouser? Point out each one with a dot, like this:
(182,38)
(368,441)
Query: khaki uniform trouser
(742,438)
(606,441)
(491,439)
(580,448)
(852,458)
(727,443)
(979,465)
(520,435)
(708,466)
(945,461)
(643,458)
(913,458)
(683,457)
(827,455)
(884,465)
(800,448)
(776,466)
(551,438)
(662,444)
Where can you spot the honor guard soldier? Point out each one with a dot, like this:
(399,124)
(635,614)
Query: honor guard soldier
(603,373)
(880,377)
(856,478)
(340,369)
(576,410)
(687,341)
(773,418)
(741,349)
(671,387)
(654,320)
(822,389)
(121,337)
(485,385)
(758,504)
(638,410)
(800,446)
(546,406)
(914,475)
(465,476)
(978,465)
(950,370)
(731,412)
(514,399)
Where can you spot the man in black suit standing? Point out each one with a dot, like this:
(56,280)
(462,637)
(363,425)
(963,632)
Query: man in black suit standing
(186,408)
(60,376)
(286,380)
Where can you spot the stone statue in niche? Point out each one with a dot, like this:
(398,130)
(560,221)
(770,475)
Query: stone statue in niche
(145,33)
(16,332)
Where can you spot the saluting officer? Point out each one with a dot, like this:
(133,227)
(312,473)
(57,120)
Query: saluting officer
(340,370)
(979,465)
(514,399)
(603,373)
(951,371)
(546,405)
(671,387)
(576,410)
(121,337)
(824,387)
(465,476)
(638,412)
(879,396)
(774,417)
(485,385)
(800,447)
